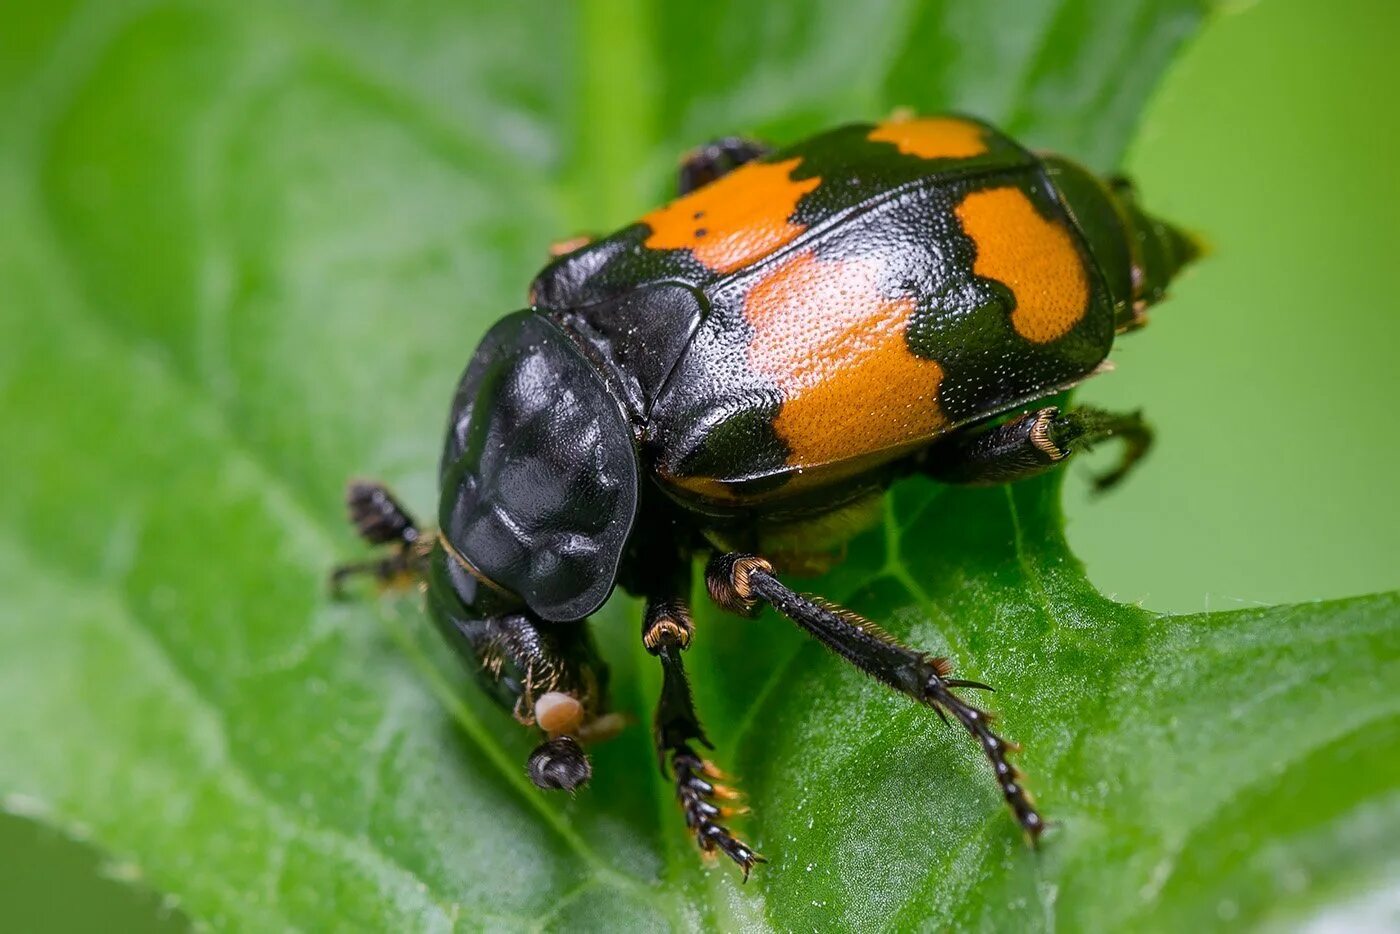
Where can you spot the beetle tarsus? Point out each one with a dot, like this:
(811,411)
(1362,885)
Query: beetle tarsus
(917,674)
(697,792)
(937,694)
(1081,428)
(377,515)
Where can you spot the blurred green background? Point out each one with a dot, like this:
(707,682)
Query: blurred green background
(1269,378)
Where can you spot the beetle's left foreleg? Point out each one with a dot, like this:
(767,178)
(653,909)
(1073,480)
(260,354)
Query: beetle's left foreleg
(739,583)
(666,633)
(380,520)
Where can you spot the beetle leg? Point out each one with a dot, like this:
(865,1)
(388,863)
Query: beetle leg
(716,159)
(381,520)
(534,666)
(547,675)
(666,632)
(1034,442)
(740,583)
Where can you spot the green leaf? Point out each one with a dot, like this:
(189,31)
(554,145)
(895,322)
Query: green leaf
(247,249)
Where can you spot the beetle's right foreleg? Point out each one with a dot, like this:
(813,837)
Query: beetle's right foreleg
(380,520)
(666,633)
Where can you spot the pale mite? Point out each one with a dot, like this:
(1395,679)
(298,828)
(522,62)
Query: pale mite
(557,713)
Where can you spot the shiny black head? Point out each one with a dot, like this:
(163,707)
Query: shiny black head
(540,473)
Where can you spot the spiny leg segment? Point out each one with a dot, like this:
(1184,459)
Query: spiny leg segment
(666,632)
(741,582)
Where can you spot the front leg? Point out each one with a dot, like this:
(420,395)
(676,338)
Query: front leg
(548,675)
(740,583)
(381,521)
(666,633)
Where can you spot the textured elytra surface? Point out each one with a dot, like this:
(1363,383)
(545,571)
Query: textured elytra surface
(248,251)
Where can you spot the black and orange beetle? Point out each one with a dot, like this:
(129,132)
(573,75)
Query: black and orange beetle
(744,371)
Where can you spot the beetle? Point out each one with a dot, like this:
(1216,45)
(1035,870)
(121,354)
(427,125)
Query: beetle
(740,374)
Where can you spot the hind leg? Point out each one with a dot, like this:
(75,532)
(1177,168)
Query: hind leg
(1034,442)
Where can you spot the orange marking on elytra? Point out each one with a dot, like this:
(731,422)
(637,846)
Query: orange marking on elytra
(733,220)
(835,347)
(1033,257)
(932,137)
